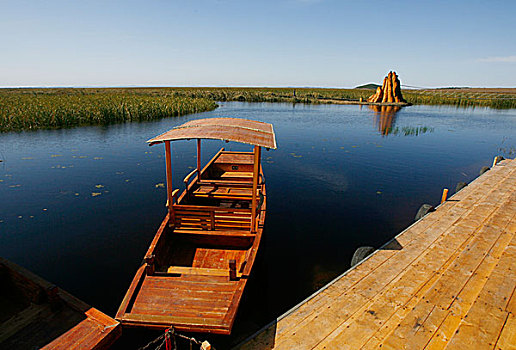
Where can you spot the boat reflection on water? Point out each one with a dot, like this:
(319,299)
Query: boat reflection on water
(385,117)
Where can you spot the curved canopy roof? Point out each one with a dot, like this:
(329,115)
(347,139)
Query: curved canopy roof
(228,129)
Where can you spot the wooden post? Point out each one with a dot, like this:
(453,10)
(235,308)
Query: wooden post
(232,269)
(52,295)
(149,260)
(198,159)
(212,220)
(168,165)
(256,172)
(444,196)
(497,160)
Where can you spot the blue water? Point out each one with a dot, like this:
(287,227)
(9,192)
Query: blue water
(80,206)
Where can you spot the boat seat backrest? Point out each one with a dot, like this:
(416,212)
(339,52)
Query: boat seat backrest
(211,218)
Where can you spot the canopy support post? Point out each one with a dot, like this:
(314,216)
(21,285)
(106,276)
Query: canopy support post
(198,159)
(256,172)
(168,164)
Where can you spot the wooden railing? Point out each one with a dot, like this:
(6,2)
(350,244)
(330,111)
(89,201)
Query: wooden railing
(211,218)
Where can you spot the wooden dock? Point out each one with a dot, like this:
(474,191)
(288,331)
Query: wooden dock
(447,281)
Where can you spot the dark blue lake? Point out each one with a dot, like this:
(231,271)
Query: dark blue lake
(80,206)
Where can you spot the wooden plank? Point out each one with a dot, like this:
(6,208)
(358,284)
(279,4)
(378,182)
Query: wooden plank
(507,339)
(436,287)
(214,313)
(52,316)
(463,301)
(235,158)
(168,165)
(76,335)
(209,208)
(482,325)
(230,233)
(178,322)
(368,287)
(162,299)
(237,174)
(183,270)
(22,319)
(192,282)
(101,332)
(228,183)
(432,311)
(130,295)
(453,251)
(199,158)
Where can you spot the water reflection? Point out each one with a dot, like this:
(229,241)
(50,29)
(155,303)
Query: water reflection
(385,116)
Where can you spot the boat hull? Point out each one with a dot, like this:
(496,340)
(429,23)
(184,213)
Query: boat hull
(187,280)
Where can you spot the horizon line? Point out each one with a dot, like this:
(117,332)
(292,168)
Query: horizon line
(407,87)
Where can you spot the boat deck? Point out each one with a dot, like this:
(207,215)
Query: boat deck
(35,314)
(194,301)
(448,281)
(192,287)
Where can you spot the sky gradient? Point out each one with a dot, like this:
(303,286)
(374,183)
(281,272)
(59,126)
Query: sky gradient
(317,43)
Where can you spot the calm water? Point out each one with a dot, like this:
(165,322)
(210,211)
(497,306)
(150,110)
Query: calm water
(80,206)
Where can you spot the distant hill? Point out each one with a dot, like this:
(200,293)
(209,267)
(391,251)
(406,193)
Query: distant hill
(371,86)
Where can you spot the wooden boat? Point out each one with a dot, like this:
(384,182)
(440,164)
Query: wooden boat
(197,265)
(36,314)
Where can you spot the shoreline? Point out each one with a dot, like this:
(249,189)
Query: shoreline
(55,108)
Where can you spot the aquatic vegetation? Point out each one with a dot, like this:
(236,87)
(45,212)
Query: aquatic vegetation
(58,108)
(411,130)
(26,109)
(494,98)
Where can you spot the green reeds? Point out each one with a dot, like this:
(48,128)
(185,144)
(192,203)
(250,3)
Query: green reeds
(27,111)
(461,98)
(24,109)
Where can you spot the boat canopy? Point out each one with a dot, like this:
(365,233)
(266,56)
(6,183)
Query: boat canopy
(228,129)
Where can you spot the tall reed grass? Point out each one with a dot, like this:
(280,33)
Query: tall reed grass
(461,98)
(26,111)
(22,109)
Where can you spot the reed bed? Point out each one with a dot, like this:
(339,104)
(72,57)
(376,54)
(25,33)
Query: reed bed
(462,98)
(28,111)
(25,109)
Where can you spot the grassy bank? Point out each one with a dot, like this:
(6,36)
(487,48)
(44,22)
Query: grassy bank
(493,98)
(25,109)
(28,111)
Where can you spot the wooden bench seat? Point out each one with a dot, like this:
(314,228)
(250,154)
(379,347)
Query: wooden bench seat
(237,174)
(223,192)
(225,233)
(230,183)
(187,270)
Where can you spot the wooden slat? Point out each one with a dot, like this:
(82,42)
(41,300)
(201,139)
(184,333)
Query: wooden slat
(197,271)
(179,323)
(450,285)
(208,208)
(237,174)
(433,312)
(368,287)
(193,283)
(242,233)
(49,315)
(507,339)
(485,321)
(228,157)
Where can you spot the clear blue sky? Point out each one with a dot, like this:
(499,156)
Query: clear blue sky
(257,43)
